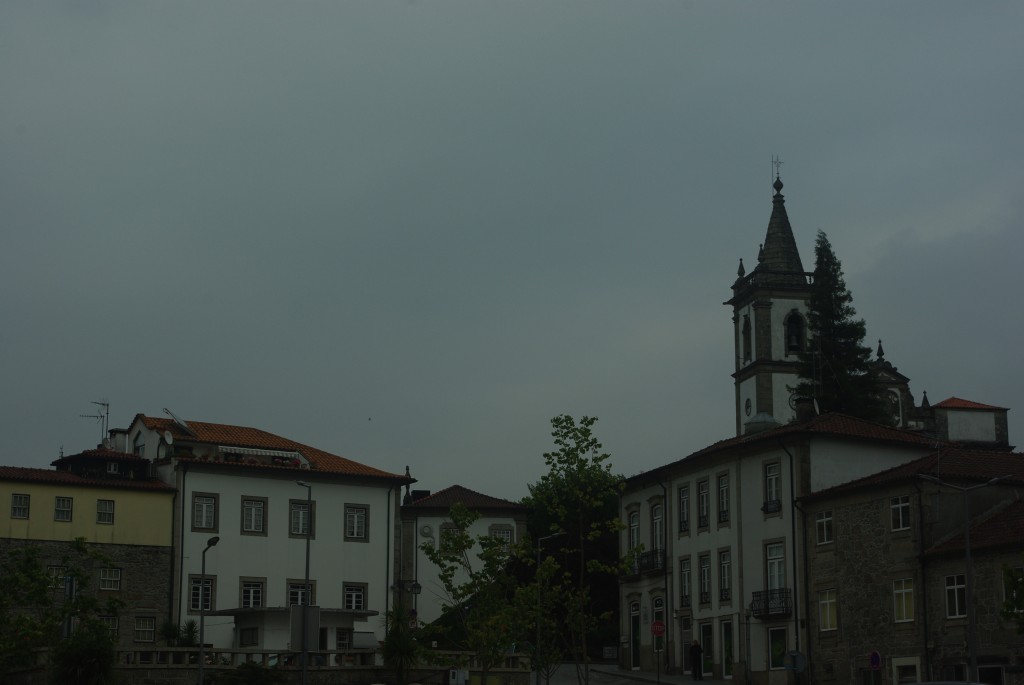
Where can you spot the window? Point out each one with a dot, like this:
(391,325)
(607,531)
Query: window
(903,600)
(105,511)
(355,596)
(723,498)
(900,507)
(827,610)
(252,592)
(58,576)
(684,582)
(356,520)
(705,579)
(746,338)
(139,445)
(62,509)
(111,623)
(503,534)
(254,512)
(775,565)
(204,512)
(776,648)
(684,508)
(702,504)
(19,506)
(249,637)
(656,527)
(634,530)
(343,639)
(990,674)
(794,333)
(300,519)
(113,467)
(771,488)
(145,628)
(110,579)
(823,526)
(956,596)
(724,575)
(202,592)
(299,593)
(1013,584)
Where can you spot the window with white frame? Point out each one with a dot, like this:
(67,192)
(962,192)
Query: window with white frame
(657,530)
(772,493)
(684,508)
(110,579)
(355,596)
(299,593)
(254,515)
(956,596)
(343,639)
(62,508)
(634,530)
(252,592)
(903,600)
(58,576)
(725,575)
(249,637)
(201,592)
(19,506)
(145,628)
(900,508)
(300,518)
(703,504)
(111,623)
(503,534)
(775,565)
(105,511)
(357,518)
(823,527)
(204,512)
(827,602)
(723,498)
(705,578)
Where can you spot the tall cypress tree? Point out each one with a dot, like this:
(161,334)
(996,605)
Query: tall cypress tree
(835,369)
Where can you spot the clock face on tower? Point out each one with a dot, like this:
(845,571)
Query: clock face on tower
(747,406)
(793,399)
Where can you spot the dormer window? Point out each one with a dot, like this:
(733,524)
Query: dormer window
(794,333)
(113,467)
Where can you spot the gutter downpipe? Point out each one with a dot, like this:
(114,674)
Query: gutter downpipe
(387,563)
(792,515)
(669,603)
(924,581)
(806,584)
(175,615)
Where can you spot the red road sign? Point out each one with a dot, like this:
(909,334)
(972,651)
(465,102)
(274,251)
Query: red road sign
(658,628)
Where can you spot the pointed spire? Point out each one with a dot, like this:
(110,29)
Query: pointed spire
(925,404)
(880,353)
(741,272)
(760,252)
(779,254)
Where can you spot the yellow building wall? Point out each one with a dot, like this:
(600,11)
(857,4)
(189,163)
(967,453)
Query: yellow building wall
(140,517)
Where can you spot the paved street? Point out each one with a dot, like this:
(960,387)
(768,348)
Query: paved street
(609,674)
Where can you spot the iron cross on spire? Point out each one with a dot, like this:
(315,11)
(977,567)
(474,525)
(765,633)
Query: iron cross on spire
(776,162)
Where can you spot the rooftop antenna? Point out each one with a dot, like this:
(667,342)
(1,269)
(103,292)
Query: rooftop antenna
(181,422)
(102,417)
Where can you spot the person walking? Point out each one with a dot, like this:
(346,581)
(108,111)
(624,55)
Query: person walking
(697,660)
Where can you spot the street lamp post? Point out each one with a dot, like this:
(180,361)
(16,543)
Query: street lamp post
(306,591)
(536,647)
(403,586)
(203,595)
(972,619)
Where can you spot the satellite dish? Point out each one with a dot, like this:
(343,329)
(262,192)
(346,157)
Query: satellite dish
(168,438)
(427,532)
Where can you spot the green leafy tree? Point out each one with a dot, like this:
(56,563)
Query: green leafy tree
(578,500)
(542,608)
(36,608)
(835,368)
(479,613)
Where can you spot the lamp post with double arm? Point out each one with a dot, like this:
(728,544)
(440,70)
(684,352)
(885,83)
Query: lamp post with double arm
(306,590)
(972,619)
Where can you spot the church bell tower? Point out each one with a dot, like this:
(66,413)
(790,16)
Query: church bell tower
(769,318)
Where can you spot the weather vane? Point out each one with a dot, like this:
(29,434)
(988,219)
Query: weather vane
(776,162)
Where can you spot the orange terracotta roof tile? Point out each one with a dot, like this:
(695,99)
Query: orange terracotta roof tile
(99,453)
(444,499)
(957,403)
(1005,527)
(243,436)
(30,475)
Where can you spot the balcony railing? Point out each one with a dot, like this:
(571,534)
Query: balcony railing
(725,594)
(684,525)
(771,506)
(772,603)
(705,598)
(645,562)
(684,601)
(723,515)
(702,521)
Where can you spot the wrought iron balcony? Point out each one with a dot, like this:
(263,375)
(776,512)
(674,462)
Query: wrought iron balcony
(705,598)
(772,603)
(646,562)
(702,521)
(723,515)
(771,506)
(725,594)
(684,525)
(684,601)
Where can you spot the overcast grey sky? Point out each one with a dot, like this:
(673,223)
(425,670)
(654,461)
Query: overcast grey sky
(412,232)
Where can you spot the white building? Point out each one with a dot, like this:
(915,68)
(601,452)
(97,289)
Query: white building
(241,487)
(425,515)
